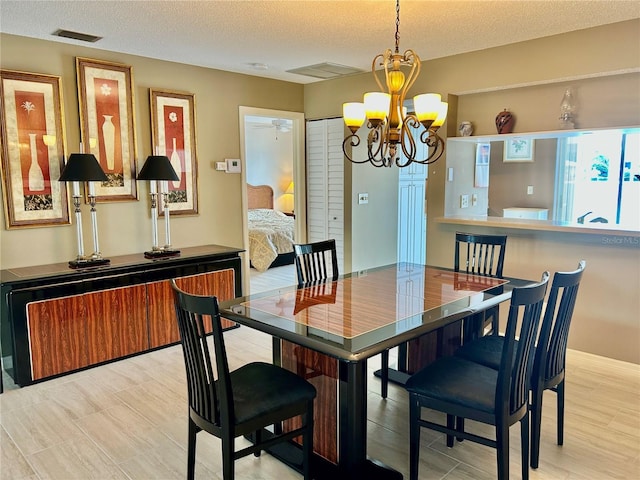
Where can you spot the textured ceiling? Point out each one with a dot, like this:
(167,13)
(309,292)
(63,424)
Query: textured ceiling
(286,34)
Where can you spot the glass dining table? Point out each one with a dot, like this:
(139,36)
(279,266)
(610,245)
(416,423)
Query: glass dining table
(326,332)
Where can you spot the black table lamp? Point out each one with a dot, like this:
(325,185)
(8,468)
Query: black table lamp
(158,168)
(84,167)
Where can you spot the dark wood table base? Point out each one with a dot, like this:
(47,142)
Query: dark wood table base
(291,455)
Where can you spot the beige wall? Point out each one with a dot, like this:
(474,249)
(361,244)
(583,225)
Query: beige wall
(125,227)
(530,77)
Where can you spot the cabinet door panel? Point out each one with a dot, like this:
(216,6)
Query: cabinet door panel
(57,336)
(163,328)
(116,323)
(219,283)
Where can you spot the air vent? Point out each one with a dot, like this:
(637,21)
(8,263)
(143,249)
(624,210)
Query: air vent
(325,70)
(83,37)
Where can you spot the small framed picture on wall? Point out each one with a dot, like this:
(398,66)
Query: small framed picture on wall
(518,150)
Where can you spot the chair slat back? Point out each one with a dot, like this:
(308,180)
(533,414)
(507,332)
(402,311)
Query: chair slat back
(316,262)
(554,333)
(208,384)
(481,254)
(525,311)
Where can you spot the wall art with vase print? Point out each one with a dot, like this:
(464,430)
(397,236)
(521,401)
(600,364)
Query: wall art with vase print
(174,135)
(107,127)
(33,150)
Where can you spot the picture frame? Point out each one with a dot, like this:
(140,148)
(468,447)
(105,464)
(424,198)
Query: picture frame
(33,150)
(173,133)
(483,154)
(518,150)
(107,125)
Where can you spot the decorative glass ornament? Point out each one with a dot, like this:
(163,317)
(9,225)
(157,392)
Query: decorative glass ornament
(567,110)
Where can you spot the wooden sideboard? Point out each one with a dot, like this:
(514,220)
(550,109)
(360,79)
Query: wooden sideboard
(55,320)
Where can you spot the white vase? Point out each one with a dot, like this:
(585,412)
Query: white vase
(36,178)
(465,129)
(109,137)
(177,166)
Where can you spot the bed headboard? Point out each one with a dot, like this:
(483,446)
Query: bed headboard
(260,196)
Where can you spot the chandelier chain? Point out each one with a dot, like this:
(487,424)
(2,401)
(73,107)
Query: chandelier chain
(398,26)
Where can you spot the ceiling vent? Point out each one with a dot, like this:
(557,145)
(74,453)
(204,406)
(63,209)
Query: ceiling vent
(325,70)
(83,37)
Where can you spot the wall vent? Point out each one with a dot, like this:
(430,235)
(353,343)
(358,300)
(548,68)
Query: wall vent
(325,70)
(83,37)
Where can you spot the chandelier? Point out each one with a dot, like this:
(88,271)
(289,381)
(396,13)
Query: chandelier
(391,127)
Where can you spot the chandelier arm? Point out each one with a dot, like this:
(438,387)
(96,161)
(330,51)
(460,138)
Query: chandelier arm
(388,61)
(435,148)
(352,140)
(407,143)
(375,142)
(389,149)
(383,62)
(411,58)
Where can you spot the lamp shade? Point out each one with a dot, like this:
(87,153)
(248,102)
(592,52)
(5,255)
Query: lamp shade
(157,167)
(377,104)
(289,189)
(82,167)
(427,106)
(354,114)
(442,115)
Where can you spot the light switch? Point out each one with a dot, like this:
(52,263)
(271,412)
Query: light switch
(363,198)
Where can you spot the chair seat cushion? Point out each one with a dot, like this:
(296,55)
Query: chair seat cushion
(485,350)
(260,388)
(457,381)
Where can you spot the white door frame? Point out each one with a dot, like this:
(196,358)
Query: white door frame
(299,177)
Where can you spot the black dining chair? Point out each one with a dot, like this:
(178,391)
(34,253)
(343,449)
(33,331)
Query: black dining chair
(550,352)
(316,262)
(481,255)
(477,254)
(229,404)
(467,390)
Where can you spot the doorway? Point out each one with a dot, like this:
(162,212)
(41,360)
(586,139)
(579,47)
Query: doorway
(258,128)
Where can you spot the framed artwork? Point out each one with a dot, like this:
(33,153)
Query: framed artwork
(518,150)
(33,150)
(483,153)
(173,126)
(105,94)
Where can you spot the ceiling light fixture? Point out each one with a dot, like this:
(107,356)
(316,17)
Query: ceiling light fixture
(389,123)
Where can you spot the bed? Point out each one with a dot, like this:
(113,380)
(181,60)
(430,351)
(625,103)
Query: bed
(270,231)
